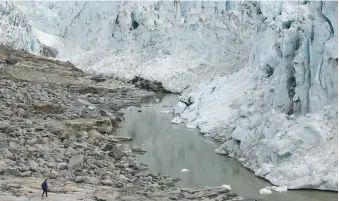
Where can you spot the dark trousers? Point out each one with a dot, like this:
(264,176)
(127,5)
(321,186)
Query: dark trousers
(44,191)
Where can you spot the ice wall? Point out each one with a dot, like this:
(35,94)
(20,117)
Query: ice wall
(16,31)
(171,41)
(279,114)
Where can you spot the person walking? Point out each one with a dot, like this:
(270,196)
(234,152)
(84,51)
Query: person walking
(44,186)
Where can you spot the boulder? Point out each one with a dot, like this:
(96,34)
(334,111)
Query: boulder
(131,162)
(11,60)
(25,174)
(76,163)
(116,153)
(167,181)
(80,179)
(48,51)
(92,180)
(12,171)
(104,125)
(106,182)
(2,166)
(33,166)
(95,134)
(53,174)
(123,179)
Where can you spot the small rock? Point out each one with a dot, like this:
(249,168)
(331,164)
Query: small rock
(83,102)
(168,181)
(26,174)
(112,138)
(138,149)
(141,167)
(2,166)
(20,112)
(105,113)
(123,179)
(80,179)
(98,79)
(106,182)
(108,147)
(123,138)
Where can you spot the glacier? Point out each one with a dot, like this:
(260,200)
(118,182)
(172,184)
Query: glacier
(261,77)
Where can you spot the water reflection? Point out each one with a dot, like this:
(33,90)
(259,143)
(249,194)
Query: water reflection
(170,148)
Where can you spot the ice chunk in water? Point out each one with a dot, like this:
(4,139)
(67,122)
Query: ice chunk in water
(228,187)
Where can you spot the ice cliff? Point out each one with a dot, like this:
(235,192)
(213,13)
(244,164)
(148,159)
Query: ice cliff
(279,114)
(259,76)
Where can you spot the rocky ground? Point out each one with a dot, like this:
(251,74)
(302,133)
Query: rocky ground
(58,122)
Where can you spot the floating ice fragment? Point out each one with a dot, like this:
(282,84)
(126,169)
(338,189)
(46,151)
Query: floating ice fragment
(165,111)
(265,191)
(176,120)
(228,187)
(277,188)
(189,125)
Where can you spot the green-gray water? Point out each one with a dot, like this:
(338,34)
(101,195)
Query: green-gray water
(171,148)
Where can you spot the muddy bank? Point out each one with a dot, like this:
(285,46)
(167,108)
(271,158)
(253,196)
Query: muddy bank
(60,123)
